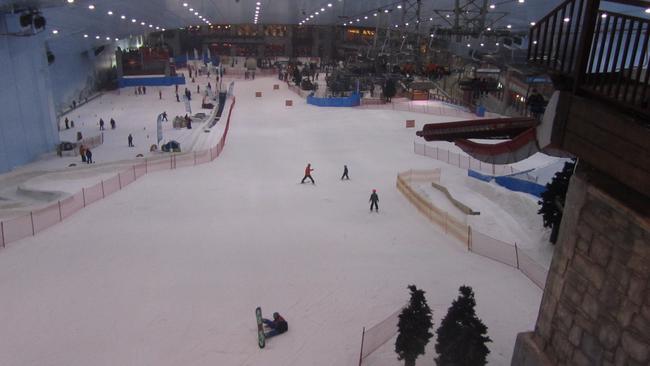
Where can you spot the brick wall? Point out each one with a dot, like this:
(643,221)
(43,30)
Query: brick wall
(596,305)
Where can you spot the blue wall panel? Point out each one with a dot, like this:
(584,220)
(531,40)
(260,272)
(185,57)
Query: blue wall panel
(27,122)
(151,81)
(351,101)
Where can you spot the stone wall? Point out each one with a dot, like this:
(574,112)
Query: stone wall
(596,305)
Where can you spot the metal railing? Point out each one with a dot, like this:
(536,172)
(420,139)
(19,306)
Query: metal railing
(605,54)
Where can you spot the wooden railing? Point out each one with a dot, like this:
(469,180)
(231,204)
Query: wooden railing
(605,54)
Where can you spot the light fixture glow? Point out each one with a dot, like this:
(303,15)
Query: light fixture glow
(185,5)
(492,6)
(110,12)
(123,16)
(566,20)
(70,1)
(329,5)
(133,20)
(91,6)
(96,37)
(85,35)
(54,31)
(508,26)
(532,23)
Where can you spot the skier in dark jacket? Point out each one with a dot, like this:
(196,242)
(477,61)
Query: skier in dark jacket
(112,124)
(130,139)
(308,171)
(345,173)
(278,325)
(101,124)
(374,198)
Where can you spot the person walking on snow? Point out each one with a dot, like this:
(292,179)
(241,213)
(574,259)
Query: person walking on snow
(164,116)
(308,171)
(160,94)
(130,138)
(345,173)
(101,124)
(112,124)
(374,198)
(278,325)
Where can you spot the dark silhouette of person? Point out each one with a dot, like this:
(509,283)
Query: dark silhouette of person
(374,199)
(308,171)
(345,173)
(130,138)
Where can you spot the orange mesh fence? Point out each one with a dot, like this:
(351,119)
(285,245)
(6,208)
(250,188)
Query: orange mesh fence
(46,217)
(111,185)
(475,241)
(17,228)
(533,270)
(21,227)
(492,248)
(127,177)
(93,194)
(375,336)
(72,204)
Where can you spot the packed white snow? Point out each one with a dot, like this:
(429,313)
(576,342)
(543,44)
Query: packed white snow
(169,270)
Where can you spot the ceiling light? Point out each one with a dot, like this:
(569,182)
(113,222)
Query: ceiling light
(258,3)
(185,5)
(70,1)
(143,23)
(566,20)
(157,27)
(191,9)
(447,15)
(110,12)
(316,13)
(54,31)
(492,6)
(91,6)
(647,11)
(399,6)
(496,44)
(329,5)
(311,16)
(85,35)
(108,38)
(163,29)
(508,26)
(150,26)
(521,1)
(257,8)
(322,9)
(386,11)
(96,37)
(534,42)
(468,45)
(374,15)
(196,13)
(604,15)
(481,44)
(133,20)
(431,19)
(489,29)
(532,23)
(366,17)
(123,16)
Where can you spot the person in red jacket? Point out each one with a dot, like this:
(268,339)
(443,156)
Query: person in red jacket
(308,171)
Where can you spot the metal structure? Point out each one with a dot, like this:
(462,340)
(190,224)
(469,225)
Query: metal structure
(470,18)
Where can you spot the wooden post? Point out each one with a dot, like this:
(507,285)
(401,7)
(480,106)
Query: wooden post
(60,214)
(31,214)
(134,175)
(363,335)
(2,231)
(119,179)
(83,193)
(517,255)
(103,195)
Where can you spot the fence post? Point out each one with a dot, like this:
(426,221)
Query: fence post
(469,238)
(31,214)
(119,179)
(195,158)
(517,255)
(60,214)
(437,153)
(103,196)
(2,230)
(83,193)
(363,334)
(134,175)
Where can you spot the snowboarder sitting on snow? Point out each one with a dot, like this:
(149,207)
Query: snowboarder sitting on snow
(278,325)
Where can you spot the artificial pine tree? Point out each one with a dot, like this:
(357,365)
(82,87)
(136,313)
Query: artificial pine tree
(552,202)
(462,335)
(413,328)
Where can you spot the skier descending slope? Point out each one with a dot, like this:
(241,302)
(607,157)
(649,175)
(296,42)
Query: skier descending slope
(374,198)
(308,171)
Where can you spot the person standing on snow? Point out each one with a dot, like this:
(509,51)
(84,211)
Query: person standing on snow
(308,171)
(345,173)
(101,124)
(374,198)
(278,325)
(112,124)
(130,138)
(89,156)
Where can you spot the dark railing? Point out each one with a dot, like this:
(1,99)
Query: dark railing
(604,53)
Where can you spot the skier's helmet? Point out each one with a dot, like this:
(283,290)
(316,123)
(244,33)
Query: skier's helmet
(276,315)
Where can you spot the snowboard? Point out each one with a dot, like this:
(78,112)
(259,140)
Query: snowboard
(260,328)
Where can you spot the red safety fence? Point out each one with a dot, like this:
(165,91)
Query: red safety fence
(30,224)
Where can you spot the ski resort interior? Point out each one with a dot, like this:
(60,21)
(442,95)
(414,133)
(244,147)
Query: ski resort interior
(430,182)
